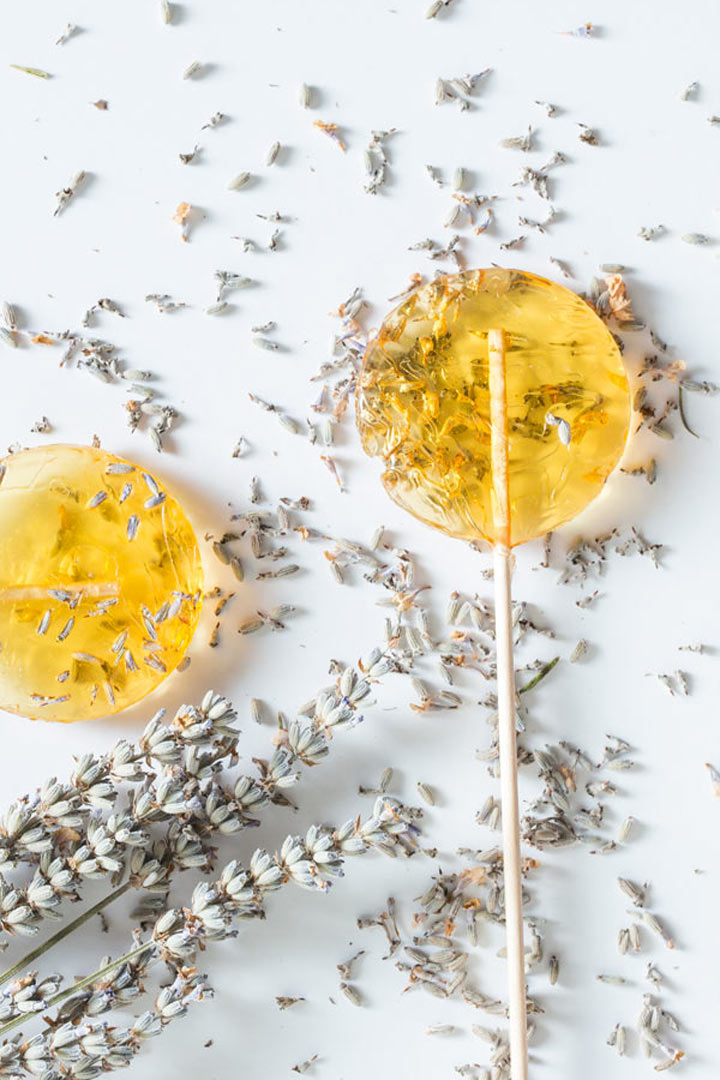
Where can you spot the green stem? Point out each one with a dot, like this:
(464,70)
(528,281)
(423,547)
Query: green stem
(681,410)
(63,933)
(76,987)
(544,670)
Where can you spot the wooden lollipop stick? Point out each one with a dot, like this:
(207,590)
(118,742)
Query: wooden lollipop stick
(512,875)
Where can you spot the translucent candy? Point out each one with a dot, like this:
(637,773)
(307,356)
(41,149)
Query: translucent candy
(100,583)
(424,404)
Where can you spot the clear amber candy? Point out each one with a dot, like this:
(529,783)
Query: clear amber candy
(100,583)
(424,403)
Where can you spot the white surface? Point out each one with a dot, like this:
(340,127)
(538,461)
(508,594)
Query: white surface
(374,65)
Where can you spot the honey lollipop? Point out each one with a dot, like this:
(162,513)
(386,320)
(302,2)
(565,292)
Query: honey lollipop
(499,404)
(100,583)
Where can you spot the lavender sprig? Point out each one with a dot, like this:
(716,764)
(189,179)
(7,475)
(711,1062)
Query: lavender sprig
(312,862)
(85,1050)
(177,766)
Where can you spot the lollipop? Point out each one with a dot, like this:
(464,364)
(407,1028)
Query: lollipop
(100,580)
(499,404)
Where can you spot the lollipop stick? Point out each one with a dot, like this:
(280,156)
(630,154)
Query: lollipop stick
(506,709)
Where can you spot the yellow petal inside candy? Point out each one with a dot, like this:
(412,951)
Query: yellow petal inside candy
(424,403)
(100,583)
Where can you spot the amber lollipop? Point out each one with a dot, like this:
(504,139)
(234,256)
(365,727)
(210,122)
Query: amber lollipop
(499,403)
(100,583)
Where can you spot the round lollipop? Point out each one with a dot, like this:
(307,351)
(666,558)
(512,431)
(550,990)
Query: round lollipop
(100,583)
(499,404)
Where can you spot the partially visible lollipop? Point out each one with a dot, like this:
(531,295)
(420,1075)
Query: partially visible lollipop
(100,583)
(499,404)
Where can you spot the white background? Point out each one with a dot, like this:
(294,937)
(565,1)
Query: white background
(374,65)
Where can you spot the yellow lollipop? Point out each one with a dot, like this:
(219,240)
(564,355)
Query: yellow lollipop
(100,583)
(499,404)
(424,402)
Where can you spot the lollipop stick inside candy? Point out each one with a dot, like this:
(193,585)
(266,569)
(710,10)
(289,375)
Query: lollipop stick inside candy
(506,707)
